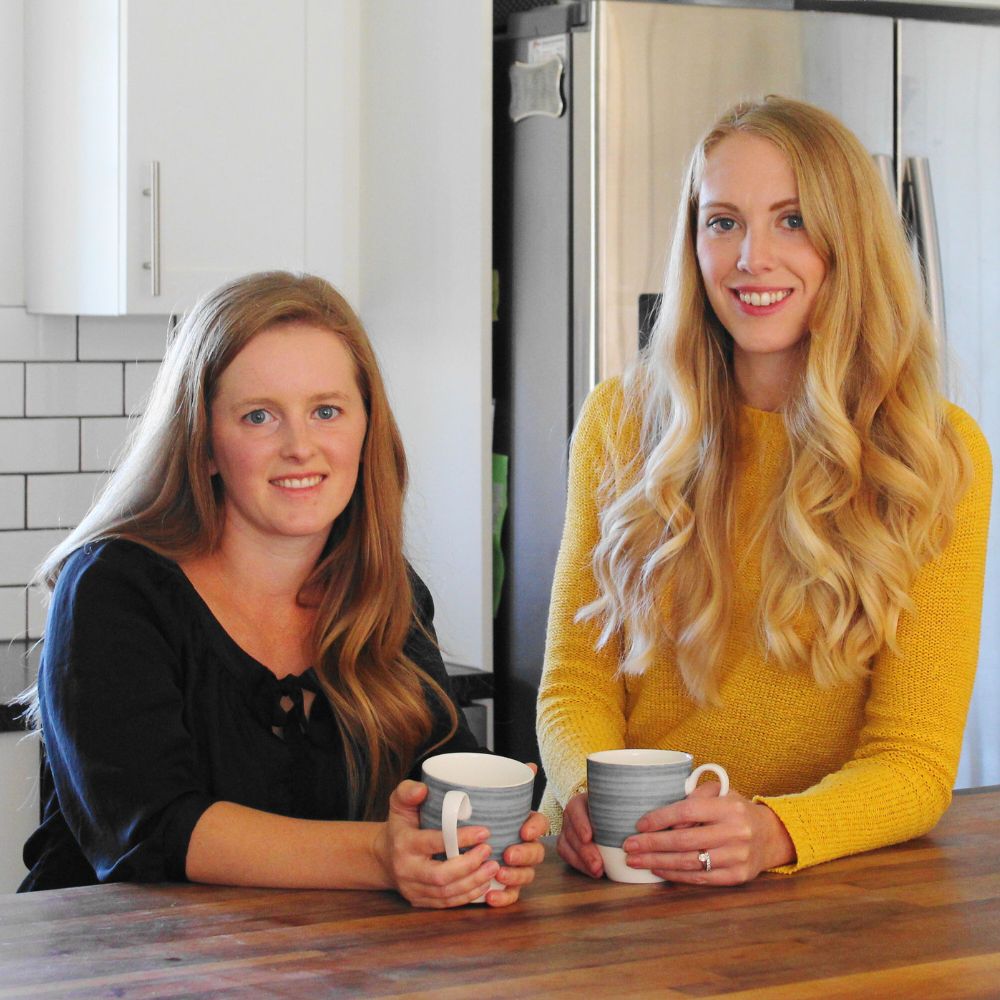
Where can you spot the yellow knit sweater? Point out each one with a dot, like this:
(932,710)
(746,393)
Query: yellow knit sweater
(847,768)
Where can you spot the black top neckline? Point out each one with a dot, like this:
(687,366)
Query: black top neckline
(257,672)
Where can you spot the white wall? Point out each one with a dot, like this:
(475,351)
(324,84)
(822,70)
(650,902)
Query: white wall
(425,285)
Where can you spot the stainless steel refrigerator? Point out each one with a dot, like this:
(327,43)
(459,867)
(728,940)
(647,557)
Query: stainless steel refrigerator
(597,107)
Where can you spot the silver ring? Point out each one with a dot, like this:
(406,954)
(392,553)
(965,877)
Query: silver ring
(706,860)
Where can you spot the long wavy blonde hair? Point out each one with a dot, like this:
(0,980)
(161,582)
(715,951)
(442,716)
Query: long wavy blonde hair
(874,470)
(163,496)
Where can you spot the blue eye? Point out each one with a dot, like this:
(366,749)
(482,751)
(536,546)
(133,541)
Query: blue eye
(721,224)
(327,412)
(794,221)
(257,417)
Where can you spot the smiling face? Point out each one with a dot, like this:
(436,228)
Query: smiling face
(760,270)
(288,424)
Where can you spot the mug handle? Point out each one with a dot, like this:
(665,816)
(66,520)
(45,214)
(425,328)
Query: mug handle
(692,781)
(456,806)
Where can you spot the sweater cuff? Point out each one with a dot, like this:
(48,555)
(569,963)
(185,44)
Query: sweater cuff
(781,808)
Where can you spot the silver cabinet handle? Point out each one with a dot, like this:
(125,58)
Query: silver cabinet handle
(918,211)
(153,194)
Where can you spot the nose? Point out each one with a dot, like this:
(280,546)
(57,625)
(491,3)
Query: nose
(296,443)
(756,251)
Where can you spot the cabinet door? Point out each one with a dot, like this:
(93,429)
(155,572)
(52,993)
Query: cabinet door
(215,94)
(11,128)
(951,115)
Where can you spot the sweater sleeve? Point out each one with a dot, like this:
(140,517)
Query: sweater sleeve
(898,781)
(123,763)
(581,699)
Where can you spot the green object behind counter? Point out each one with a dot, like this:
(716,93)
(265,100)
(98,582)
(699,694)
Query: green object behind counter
(499,510)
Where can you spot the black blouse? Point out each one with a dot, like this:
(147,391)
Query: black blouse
(151,712)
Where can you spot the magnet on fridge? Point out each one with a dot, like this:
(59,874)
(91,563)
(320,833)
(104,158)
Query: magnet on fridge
(535,89)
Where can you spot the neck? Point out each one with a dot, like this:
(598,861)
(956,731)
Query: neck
(264,569)
(765,381)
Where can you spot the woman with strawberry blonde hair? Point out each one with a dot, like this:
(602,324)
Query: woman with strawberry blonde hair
(776,527)
(240,676)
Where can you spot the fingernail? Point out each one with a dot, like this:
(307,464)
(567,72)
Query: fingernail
(630,845)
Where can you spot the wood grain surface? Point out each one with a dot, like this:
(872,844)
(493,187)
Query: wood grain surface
(918,920)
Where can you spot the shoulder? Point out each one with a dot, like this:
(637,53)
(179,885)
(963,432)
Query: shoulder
(603,405)
(423,602)
(110,566)
(971,436)
(609,420)
(973,511)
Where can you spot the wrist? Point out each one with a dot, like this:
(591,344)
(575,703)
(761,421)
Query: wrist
(381,855)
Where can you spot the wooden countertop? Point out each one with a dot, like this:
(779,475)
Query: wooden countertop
(918,920)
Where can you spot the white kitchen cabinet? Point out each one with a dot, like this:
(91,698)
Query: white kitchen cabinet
(215,94)
(11,121)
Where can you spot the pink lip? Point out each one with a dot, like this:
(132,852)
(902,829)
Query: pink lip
(751,310)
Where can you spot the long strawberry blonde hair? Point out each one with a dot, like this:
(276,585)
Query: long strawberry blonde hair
(163,495)
(874,470)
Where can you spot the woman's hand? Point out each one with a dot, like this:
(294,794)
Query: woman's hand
(741,837)
(405,852)
(520,861)
(576,842)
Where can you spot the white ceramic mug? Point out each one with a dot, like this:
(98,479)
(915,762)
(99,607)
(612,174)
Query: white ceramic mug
(477,789)
(624,785)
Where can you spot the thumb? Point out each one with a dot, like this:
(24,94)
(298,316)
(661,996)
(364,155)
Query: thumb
(404,803)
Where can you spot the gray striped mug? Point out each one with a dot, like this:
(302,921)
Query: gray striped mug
(476,789)
(624,785)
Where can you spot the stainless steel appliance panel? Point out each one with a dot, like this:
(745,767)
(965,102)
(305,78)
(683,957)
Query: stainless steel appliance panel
(951,115)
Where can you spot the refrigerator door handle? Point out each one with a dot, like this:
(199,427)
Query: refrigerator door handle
(887,170)
(918,211)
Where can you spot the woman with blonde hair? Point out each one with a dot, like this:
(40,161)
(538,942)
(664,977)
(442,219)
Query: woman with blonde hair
(776,527)
(240,672)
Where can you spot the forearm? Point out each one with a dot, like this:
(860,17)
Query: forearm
(235,845)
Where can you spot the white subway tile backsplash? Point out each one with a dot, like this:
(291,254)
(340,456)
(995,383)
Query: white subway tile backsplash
(36,338)
(57,390)
(138,380)
(22,552)
(12,612)
(11,501)
(38,606)
(39,445)
(11,390)
(101,441)
(123,338)
(60,501)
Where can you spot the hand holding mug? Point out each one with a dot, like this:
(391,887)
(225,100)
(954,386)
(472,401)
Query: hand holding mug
(473,790)
(624,788)
(406,854)
(740,838)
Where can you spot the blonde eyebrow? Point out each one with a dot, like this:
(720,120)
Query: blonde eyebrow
(250,401)
(733,208)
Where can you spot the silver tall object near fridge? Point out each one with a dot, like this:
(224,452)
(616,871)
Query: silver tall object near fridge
(598,105)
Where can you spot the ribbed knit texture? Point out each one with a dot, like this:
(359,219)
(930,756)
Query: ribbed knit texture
(847,768)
